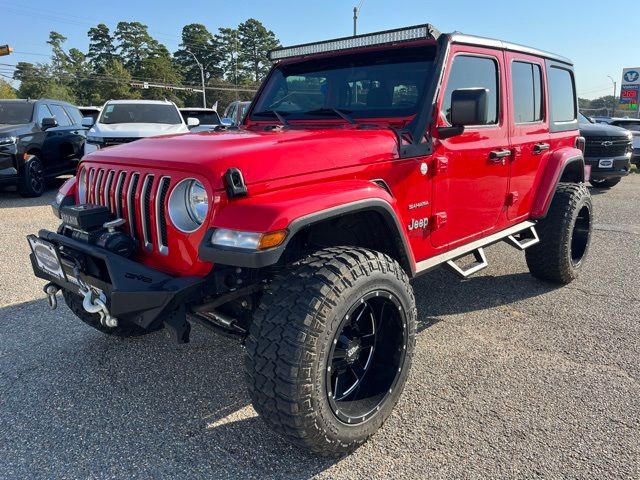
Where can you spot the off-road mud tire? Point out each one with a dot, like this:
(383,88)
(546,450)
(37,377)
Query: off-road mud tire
(565,235)
(291,337)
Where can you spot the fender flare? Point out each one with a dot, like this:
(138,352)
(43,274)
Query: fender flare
(558,164)
(372,197)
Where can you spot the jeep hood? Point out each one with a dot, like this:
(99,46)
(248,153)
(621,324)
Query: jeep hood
(260,155)
(136,130)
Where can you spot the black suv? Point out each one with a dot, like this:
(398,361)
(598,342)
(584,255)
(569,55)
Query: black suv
(607,150)
(39,139)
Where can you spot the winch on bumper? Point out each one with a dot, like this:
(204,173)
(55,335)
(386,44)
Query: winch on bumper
(122,289)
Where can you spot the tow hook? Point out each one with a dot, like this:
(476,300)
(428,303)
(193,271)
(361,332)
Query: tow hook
(50,290)
(97,305)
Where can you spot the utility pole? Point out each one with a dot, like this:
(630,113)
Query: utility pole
(235,80)
(615,86)
(356,10)
(204,94)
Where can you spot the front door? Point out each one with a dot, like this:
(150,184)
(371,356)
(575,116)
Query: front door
(471,184)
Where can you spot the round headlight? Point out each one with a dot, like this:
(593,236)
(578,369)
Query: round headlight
(197,202)
(188,205)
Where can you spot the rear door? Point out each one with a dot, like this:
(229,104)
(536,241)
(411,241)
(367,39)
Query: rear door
(528,129)
(469,194)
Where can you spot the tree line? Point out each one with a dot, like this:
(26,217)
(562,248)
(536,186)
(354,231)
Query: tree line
(118,62)
(607,105)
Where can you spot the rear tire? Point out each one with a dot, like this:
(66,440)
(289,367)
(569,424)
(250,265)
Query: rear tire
(565,235)
(606,184)
(32,181)
(318,371)
(124,330)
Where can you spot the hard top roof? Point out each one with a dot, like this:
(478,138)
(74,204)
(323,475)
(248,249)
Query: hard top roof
(399,35)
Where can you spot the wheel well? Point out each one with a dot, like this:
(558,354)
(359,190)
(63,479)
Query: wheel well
(35,151)
(573,172)
(368,229)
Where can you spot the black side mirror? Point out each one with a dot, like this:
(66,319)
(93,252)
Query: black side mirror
(469,106)
(48,122)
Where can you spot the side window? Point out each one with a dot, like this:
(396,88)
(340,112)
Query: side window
(473,72)
(43,112)
(61,116)
(562,95)
(526,79)
(74,115)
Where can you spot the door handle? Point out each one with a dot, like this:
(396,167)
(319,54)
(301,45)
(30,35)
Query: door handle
(496,156)
(540,147)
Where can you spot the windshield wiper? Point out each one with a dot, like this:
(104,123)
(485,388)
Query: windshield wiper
(275,113)
(344,114)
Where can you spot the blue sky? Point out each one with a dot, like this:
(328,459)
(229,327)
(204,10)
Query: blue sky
(590,32)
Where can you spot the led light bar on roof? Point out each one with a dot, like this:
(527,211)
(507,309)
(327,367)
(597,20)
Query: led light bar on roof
(390,36)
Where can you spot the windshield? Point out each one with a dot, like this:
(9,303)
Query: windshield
(381,84)
(583,119)
(206,118)
(140,113)
(15,113)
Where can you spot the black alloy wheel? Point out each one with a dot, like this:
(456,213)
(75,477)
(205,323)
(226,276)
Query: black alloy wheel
(367,356)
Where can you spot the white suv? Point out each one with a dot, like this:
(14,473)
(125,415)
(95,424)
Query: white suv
(123,121)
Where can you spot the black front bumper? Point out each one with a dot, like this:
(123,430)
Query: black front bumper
(8,165)
(621,167)
(135,293)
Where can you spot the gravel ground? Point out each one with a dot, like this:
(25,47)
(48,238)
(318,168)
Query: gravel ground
(512,378)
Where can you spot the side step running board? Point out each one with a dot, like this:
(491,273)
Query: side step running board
(520,236)
(525,239)
(475,267)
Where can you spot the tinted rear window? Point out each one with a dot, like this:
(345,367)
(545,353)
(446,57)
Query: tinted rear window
(562,93)
(527,92)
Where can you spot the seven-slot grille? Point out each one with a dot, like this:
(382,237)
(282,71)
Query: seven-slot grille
(118,190)
(603,147)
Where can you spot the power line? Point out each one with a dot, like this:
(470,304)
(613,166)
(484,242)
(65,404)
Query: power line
(64,19)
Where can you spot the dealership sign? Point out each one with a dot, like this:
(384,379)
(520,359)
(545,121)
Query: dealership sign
(630,88)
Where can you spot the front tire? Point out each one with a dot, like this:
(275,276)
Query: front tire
(319,370)
(565,235)
(32,181)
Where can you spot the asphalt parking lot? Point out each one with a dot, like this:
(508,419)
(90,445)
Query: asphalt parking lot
(512,378)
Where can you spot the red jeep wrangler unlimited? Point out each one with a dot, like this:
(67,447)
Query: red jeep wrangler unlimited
(361,163)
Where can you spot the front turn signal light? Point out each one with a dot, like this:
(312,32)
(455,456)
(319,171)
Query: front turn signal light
(272,239)
(224,237)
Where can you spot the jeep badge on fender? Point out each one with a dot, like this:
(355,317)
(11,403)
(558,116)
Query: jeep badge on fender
(361,163)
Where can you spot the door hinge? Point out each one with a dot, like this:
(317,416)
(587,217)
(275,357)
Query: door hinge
(440,166)
(512,198)
(438,221)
